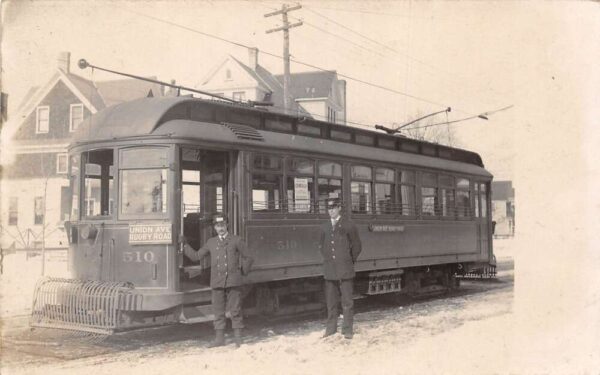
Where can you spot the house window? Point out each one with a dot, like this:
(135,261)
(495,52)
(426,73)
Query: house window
(240,96)
(13,211)
(76,116)
(38,210)
(42,119)
(228,74)
(62,163)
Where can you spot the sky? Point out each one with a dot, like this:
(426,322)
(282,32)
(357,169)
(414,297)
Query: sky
(541,58)
(418,57)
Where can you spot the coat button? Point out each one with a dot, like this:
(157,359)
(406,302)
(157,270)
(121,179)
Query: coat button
(333,256)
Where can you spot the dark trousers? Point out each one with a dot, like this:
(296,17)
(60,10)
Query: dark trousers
(230,299)
(336,291)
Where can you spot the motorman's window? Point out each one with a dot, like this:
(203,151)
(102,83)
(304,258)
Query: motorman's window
(463,198)
(360,188)
(385,191)
(267,183)
(329,182)
(447,195)
(483,189)
(143,179)
(429,198)
(98,183)
(300,185)
(407,193)
(476,200)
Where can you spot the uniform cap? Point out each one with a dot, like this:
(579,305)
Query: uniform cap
(333,202)
(219,218)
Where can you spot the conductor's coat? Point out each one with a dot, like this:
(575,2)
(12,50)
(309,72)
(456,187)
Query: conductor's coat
(340,246)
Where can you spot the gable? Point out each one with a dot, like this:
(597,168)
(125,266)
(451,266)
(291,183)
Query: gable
(58,100)
(231,75)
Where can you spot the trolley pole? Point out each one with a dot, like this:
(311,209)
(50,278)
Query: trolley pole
(286,48)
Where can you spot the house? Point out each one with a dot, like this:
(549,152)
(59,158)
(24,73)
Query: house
(503,208)
(34,189)
(318,94)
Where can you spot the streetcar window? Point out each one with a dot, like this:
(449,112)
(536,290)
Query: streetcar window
(309,130)
(476,200)
(341,136)
(266,192)
(407,193)
(363,139)
(98,183)
(267,162)
(447,195)
(329,183)
(385,191)
(144,157)
(267,188)
(429,199)
(361,190)
(244,118)
(409,146)
(463,198)
(300,188)
(387,143)
(428,150)
(300,194)
(143,180)
(278,125)
(483,200)
(74,182)
(143,191)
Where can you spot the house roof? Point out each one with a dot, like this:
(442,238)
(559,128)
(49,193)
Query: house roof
(310,84)
(124,90)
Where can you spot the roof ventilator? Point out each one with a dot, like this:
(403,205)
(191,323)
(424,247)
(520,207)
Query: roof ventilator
(244,131)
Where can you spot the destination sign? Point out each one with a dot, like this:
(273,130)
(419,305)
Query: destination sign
(386,228)
(159,233)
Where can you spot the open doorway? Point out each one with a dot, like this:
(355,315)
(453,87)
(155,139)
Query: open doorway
(204,176)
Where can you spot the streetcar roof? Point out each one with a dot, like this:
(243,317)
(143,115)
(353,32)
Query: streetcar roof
(171,116)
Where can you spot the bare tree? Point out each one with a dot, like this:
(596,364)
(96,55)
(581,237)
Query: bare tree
(441,134)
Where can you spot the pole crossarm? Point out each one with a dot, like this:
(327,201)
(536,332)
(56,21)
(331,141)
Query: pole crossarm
(282,28)
(284,9)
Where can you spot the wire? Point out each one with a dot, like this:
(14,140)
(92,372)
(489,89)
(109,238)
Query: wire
(463,119)
(291,59)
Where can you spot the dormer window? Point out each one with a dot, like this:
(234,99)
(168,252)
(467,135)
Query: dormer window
(76,116)
(42,120)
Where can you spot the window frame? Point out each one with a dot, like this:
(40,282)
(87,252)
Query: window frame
(37,119)
(76,105)
(416,195)
(66,163)
(258,171)
(39,219)
(436,214)
(351,179)
(394,191)
(117,189)
(287,173)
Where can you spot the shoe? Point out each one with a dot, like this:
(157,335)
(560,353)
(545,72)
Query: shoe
(237,337)
(328,333)
(219,339)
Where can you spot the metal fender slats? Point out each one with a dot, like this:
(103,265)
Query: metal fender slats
(92,306)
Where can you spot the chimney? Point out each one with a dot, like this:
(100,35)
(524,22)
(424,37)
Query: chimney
(64,61)
(253,58)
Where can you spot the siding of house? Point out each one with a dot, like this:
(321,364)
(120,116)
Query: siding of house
(59,99)
(32,166)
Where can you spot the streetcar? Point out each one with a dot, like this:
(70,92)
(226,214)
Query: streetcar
(149,174)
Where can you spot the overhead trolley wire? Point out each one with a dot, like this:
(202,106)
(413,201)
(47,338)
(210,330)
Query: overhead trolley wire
(291,59)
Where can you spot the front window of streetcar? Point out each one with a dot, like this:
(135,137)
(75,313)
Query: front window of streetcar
(143,180)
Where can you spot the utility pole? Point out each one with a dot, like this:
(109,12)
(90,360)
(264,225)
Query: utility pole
(286,47)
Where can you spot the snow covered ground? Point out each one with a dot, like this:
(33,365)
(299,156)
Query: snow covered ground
(475,332)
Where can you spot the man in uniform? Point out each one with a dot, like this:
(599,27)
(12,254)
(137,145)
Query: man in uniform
(340,246)
(230,260)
